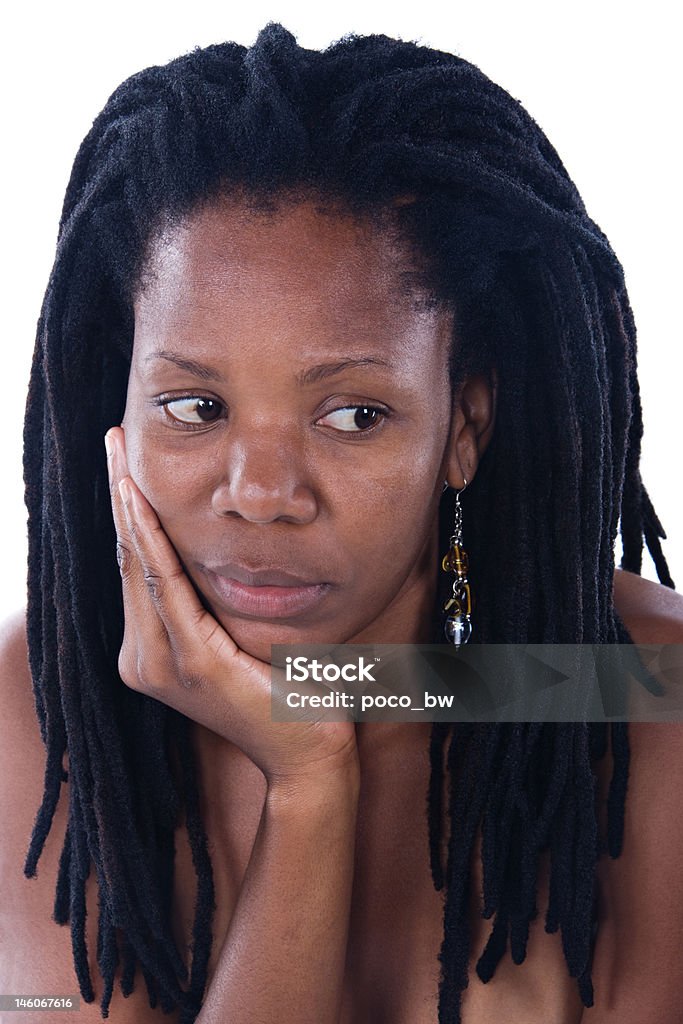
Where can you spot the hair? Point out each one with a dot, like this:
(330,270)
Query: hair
(538,294)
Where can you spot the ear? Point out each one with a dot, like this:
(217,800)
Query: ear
(474,414)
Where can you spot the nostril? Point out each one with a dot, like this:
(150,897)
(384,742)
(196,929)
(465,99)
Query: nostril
(261,505)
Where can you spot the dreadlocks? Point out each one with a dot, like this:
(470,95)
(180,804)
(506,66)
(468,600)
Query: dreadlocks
(538,294)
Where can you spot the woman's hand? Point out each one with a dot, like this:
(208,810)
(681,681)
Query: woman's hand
(175,651)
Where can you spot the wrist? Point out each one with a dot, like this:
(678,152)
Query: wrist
(337,785)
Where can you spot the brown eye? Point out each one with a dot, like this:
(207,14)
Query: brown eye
(353,418)
(207,409)
(365,417)
(194,410)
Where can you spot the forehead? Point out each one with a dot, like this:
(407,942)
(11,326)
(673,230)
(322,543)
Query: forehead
(296,267)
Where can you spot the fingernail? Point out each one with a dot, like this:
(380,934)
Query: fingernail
(109,445)
(125,491)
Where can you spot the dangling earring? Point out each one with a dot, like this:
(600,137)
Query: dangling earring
(458,608)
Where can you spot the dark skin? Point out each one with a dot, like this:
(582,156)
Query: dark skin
(335,477)
(300,421)
(307,779)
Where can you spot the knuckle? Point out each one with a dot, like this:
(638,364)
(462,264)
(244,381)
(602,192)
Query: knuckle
(136,534)
(151,679)
(138,674)
(154,583)
(124,559)
(159,678)
(127,666)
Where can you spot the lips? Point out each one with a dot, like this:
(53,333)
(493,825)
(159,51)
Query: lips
(264,593)
(261,577)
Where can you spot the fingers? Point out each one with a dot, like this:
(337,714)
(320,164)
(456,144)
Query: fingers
(178,653)
(170,638)
(117,467)
(187,622)
(144,630)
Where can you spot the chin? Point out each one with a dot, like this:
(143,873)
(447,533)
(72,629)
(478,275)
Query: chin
(256,637)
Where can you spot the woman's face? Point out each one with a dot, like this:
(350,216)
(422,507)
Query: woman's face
(289,417)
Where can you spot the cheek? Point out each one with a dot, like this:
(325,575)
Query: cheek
(400,483)
(173,484)
(386,521)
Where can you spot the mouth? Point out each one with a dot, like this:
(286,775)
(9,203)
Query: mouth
(264,593)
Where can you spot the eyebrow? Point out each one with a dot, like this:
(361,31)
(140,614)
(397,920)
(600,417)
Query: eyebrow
(324,370)
(310,376)
(191,365)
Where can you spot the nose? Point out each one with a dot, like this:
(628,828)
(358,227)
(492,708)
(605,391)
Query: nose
(263,481)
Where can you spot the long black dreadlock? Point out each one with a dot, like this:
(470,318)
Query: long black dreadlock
(537,293)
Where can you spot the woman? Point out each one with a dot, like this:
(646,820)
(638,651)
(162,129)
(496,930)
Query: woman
(300,292)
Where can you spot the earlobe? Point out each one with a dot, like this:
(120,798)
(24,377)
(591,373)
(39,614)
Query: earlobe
(474,413)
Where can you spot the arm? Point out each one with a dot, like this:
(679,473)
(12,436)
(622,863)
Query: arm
(284,954)
(287,941)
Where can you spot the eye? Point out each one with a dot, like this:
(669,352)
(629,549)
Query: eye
(353,418)
(194,409)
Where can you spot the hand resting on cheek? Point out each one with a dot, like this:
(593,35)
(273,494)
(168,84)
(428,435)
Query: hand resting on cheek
(175,651)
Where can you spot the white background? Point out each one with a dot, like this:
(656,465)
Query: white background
(601,79)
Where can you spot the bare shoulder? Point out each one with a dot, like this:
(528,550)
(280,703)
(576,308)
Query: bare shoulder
(35,952)
(21,748)
(650,611)
(637,969)
(653,614)
(15,679)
